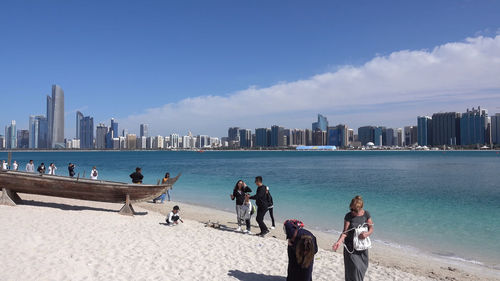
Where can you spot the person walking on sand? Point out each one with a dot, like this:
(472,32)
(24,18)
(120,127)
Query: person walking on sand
(15,166)
(71,169)
(30,167)
(271,206)
(41,168)
(137,176)
(355,262)
(240,191)
(52,169)
(262,205)
(301,249)
(94,174)
(165,194)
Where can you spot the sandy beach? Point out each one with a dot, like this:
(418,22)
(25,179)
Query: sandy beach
(50,238)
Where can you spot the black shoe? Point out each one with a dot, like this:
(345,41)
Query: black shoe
(154,201)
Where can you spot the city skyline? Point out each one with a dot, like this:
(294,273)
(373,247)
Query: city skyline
(340,60)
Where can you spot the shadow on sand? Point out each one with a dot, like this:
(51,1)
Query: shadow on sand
(67,207)
(250,276)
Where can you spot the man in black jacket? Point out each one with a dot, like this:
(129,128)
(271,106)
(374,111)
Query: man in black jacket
(137,176)
(262,205)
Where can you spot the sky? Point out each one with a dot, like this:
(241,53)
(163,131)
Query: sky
(207,65)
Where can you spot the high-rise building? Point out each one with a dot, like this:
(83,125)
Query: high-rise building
(424,131)
(319,137)
(408,136)
(144,130)
(321,124)
(399,137)
(174,140)
(55,118)
(202,141)
(131,140)
(112,134)
(446,128)
(2,142)
(350,136)
(11,135)
(337,136)
(79,117)
(245,138)
(101,133)
(309,136)
(389,134)
(366,134)
(473,127)
(262,137)
(186,141)
(23,138)
(299,137)
(141,143)
(37,127)
(495,128)
(378,136)
(124,133)
(87,132)
(277,136)
(233,134)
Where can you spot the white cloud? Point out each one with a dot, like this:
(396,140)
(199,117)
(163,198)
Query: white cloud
(387,90)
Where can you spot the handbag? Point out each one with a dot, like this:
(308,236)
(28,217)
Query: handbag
(359,244)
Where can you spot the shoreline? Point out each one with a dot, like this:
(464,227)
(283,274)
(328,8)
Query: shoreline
(407,259)
(245,150)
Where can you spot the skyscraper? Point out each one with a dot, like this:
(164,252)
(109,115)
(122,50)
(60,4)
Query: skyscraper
(366,134)
(87,132)
(34,131)
(495,128)
(424,130)
(11,135)
(389,134)
(277,136)
(23,137)
(55,117)
(144,130)
(79,117)
(245,138)
(446,128)
(337,136)
(262,137)
(473,127)
(101,133)
(322,123)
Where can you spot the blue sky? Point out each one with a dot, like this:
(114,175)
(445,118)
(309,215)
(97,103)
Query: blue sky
(138,60)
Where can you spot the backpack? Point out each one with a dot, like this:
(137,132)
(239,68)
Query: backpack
(254,209)
(95,173)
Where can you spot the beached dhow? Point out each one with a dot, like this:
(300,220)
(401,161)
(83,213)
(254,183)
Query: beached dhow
(14,182)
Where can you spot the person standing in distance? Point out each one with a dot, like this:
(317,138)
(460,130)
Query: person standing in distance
(71,169)
(137,176)
(262,205)
(15,166)
(94,174)
(30,167)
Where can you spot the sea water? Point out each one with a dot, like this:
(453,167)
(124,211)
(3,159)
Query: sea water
(442,203)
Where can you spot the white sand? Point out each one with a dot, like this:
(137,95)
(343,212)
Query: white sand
(63,239)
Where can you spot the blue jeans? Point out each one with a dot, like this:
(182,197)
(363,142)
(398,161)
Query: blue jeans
(162,197)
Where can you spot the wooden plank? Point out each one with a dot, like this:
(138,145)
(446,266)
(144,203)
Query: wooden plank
(6,198)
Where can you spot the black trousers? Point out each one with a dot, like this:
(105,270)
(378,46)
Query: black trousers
(261,212)
(272,216)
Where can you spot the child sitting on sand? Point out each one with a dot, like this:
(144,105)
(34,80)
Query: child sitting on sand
(246,213)
(174,217)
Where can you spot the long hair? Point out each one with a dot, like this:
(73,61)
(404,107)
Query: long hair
(305,251)
(236,185)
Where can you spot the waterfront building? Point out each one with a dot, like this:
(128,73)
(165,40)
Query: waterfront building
(144,130)
(174,141)
(203,141)
(446,128)
(378,136)
(262,137)
(408,135)
(366,134)
(123,143)
(37,132)
(124,133)
(55,116)
(72,144)
(2,142)
(11,135)
(214,142)
(33,132)
(141,143)
(319,137)
(389,137)
(131,141)
(337,136)
(309,135)
(23,138)
(233,134)
(79,117)
(101,133)
(424,131)
(473,127)
(495,128)
(350,136)
(116,143)
(299,137)
(86,132)
(321,124)
(245,138)
(400,137)
(277,136)
(186,142)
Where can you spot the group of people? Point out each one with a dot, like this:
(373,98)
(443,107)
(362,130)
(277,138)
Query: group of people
(245,209)
(51,169)
(302,244)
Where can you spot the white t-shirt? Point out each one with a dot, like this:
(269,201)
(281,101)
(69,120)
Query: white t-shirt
(94,174)
(52,170)
(15,166)
(30,168)
(172,215)
(4,166)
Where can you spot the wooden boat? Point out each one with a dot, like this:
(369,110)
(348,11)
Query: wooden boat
(13,182)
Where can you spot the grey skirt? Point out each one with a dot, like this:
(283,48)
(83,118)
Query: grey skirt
(355,265)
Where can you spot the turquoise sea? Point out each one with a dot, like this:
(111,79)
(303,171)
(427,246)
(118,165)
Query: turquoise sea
(441,203)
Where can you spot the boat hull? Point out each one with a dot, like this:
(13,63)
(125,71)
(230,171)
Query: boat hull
(83,189)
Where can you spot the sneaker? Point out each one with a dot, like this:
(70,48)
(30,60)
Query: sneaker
(272,227)
(245,231)
(249,232)
(239,228)
(154,201)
